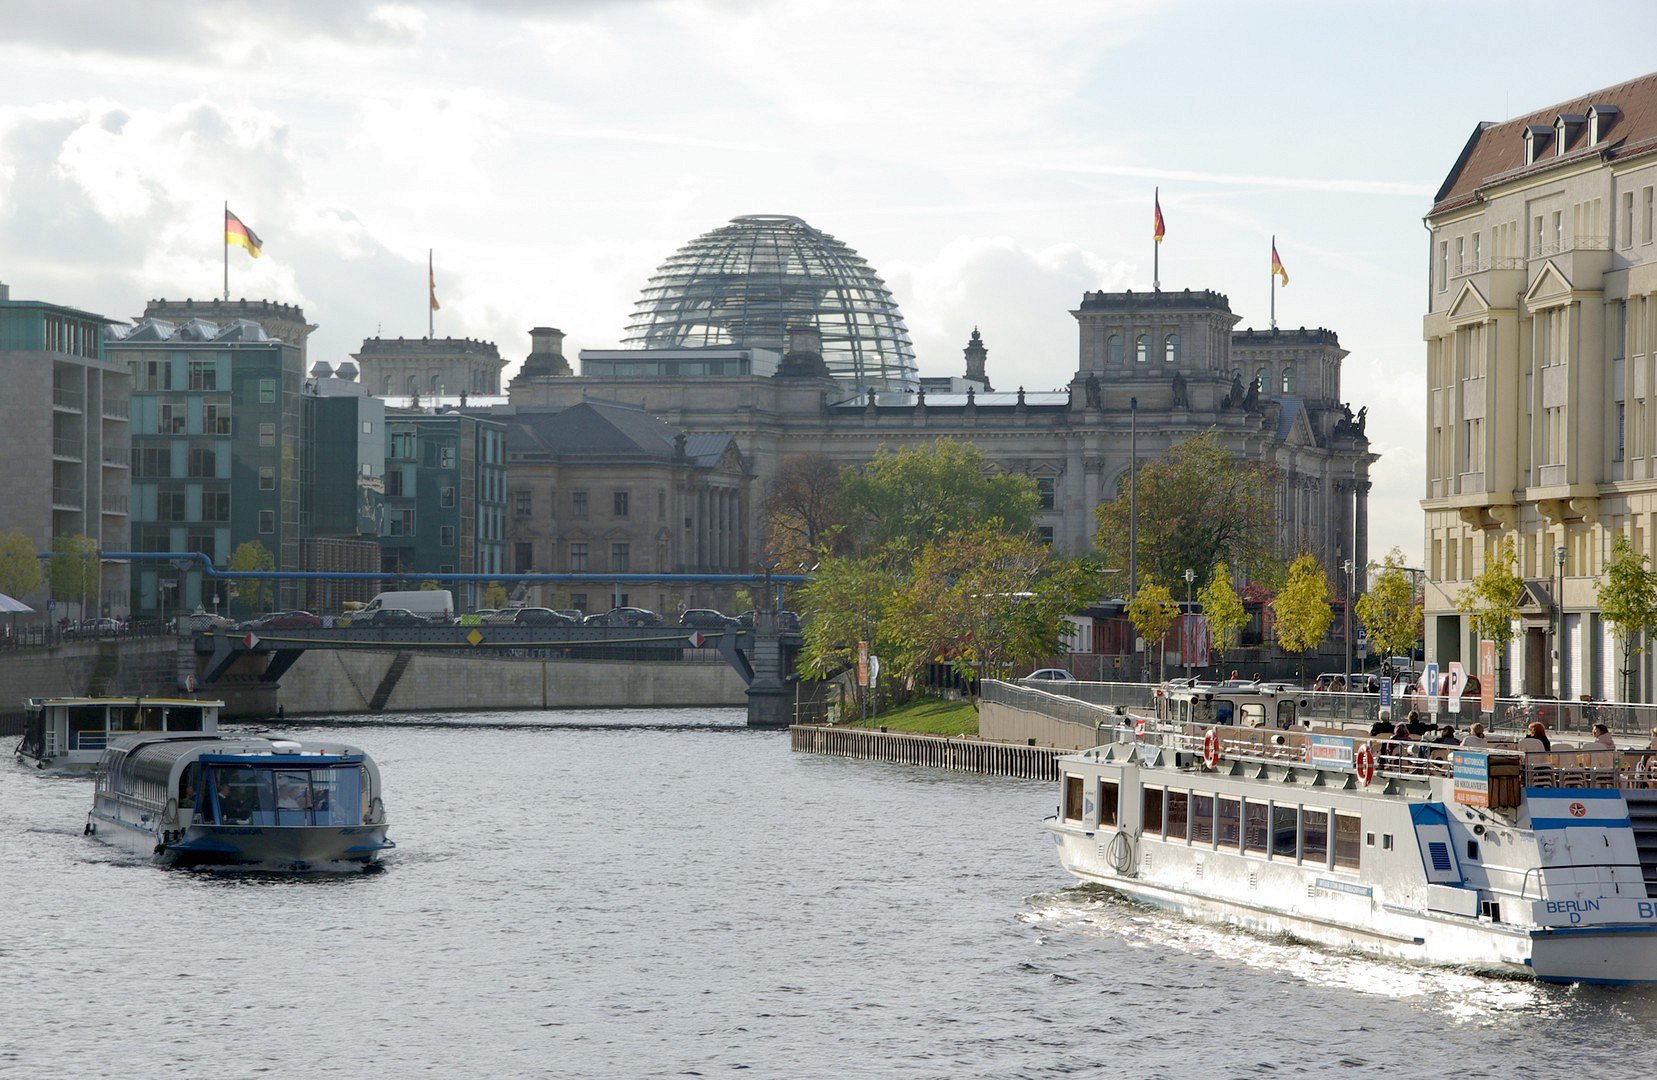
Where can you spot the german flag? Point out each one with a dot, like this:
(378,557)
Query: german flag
(1277,265)
(1158,229)
(238,235)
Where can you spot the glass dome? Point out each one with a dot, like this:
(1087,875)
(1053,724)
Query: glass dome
(745,283)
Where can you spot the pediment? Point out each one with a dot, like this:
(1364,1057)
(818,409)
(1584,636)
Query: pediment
(1300,432)
(1550,288)
(1470,305)
(1534,597)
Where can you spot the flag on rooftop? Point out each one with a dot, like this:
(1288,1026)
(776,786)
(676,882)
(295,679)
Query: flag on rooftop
(1277,265)
(431,281)
(238,235)
(1160,227)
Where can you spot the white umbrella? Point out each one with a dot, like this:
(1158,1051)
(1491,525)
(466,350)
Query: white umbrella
(11,606)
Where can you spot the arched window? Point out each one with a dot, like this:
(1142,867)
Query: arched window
(1113,349)
(1289,379)
(413,385)
(1142,348)
(1170,349)
(385,388)
(437,384)
(1260,377)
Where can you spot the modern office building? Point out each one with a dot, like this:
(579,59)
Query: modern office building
(68,440)
(1541,336)
(445,496)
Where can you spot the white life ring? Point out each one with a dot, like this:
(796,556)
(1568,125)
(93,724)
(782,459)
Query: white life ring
(1363,762)
(1211,748)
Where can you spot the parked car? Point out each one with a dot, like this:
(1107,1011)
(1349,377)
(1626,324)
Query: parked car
(625,616)
(283,620)
(103,627)
(575,613)
(540,616)
(788,622)
(199,622)
(1050,674)
(1357,682)
(390,617)
(707,619)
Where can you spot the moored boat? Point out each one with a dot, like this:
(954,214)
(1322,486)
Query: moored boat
(69,734)
(1490,859)
(209,800)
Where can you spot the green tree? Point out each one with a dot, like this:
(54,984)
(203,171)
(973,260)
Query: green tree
(1391,609)
(1152,612)
(1301,609)
(1491,600)
(986,602)
(844,603)
(1224,611)
(248,557)
(20,572)
(494,596)
(1197,505)
(1628,600)
(905,499)
(74,570)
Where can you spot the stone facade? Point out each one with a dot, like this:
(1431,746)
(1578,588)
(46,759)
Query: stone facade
(1541,336)
(430,368)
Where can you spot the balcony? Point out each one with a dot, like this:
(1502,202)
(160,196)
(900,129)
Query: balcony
(115,504)
(117,410)
(66,448)
(1572,243)
(67,498)
(117,457)
(65,399)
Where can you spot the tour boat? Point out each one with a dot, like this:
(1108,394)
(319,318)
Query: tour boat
(69,734)
(211,800)
(1487,859)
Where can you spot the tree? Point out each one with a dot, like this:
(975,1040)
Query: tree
(1628,600)
(1152,611)
(844,603)
(904,499)
(494,596)
(1391,610)
(1491,600)
(20,572)
(802,515)
(75,569)
(986,602)
(1302,609)
(248,557)
(1224,610)
(1197,505)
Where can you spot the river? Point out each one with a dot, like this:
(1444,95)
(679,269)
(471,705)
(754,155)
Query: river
(628,894)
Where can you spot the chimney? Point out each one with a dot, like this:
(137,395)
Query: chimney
(804,358)
(546,354)
(544,339)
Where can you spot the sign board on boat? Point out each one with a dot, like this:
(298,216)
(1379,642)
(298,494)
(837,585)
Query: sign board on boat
(1470,777)
(1593,911)
(1331,751)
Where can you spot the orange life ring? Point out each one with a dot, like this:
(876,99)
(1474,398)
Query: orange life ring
(1211,748)
(1363,762)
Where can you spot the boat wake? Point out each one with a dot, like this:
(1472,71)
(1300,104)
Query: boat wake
(1464,997)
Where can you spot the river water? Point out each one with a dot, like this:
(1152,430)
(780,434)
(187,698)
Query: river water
(628,894)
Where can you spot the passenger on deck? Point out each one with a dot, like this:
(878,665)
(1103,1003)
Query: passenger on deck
(1653,744)
(1602,739)
(1475,738)
(1447,736)
(1536,739)
(1380,728)
(1417,726)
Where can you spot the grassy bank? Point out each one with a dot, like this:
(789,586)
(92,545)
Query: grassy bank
(933,716)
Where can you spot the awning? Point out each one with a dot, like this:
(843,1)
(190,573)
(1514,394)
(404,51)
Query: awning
(10,606)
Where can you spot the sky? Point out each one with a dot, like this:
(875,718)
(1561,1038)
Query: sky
(992,161)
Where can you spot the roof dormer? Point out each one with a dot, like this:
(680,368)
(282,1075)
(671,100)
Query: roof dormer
(1536,138)
(1600,119)
(1565,129)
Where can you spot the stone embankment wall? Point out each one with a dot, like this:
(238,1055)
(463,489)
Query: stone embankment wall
(131,666)
(998,722)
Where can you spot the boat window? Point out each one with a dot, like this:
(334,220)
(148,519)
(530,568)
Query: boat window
(1256,820)
(1177,814)
(151,718)
(1072,797)
(1348,835)
(1283,831)
(1202,819)
(243,796)
(86,727)
(1223,712)
(266,796)
(336,796)
(293,796)
(187,784)
(1314,837)
(183,719)
(1108,796)
(1227,822)
(1152,810)
(1285,714)
(1253,714)
(123,718)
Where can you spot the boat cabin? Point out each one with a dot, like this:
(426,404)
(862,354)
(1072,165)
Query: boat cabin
(1257,705)
(71,733)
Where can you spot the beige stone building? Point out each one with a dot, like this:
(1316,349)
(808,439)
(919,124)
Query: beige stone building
(430,368)
(1541,337)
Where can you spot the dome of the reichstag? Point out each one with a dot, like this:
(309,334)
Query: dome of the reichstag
(747,282)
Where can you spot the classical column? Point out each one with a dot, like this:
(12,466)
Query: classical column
(1360,541)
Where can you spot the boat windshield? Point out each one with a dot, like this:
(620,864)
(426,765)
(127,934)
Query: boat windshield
(283,795)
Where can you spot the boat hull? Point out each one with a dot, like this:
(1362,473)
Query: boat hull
(287,847)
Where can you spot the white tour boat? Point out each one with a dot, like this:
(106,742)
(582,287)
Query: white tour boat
(69,734)
(210,800)
(1489,859)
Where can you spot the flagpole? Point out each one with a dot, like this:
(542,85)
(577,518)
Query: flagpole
(431,330)
(1156,247)
(1274,283)
(226,245)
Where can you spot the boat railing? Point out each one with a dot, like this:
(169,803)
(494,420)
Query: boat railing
(89,740)
(1296,747)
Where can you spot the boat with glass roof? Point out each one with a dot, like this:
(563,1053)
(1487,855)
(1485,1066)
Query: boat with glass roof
(189,799)
(69,734)
(1225,806)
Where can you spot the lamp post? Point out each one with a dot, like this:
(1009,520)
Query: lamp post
(1184,638)
(1133,506)
(1559,622)
(1346,672)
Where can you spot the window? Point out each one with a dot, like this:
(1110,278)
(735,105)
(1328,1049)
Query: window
(578,601)
(1262,380)
(1283,831)
(368,427)
(154,461)
(445,457)
(1622,419)
(203,461)
(215,419)
(620,498)
(1228,822)
(1289,380)
(445,536)
(267,391)
(1645,231)
(267,478)
(1256,826)
(1536,239)
(170,506)
(394,484)
(1443,265)
(1628,219)
(1044,491)
(215,506)
(201,540)
(1113,349)
(204,375)
(1110,795)
(1178,813)
(267,434)
(1152,810)
(1559,230)
(1348,840)
(523,557)
(1476,263)
(578,504)
(621,557)
(1073,797)
(1142,348)
(172,418)
(385,387)
(1314,837)
(1044,533)
(1461,255)
(267,521)
(1170,349)
(523,503)
(400,522)
(446,498)
(1202,819)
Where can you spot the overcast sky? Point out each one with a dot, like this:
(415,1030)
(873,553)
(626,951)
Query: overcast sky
(990,160)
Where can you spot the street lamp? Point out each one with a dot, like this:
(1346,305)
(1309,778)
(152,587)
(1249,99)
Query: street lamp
(1133,503)
(1184,642)
(1559,621)
(1346,672)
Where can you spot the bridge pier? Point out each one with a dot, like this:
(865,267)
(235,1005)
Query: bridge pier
(770,697)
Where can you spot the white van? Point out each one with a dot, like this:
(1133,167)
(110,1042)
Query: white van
(425,602)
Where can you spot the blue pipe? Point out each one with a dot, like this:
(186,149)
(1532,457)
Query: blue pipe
(210,570)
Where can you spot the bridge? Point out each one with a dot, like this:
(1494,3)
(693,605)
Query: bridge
(761,656)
